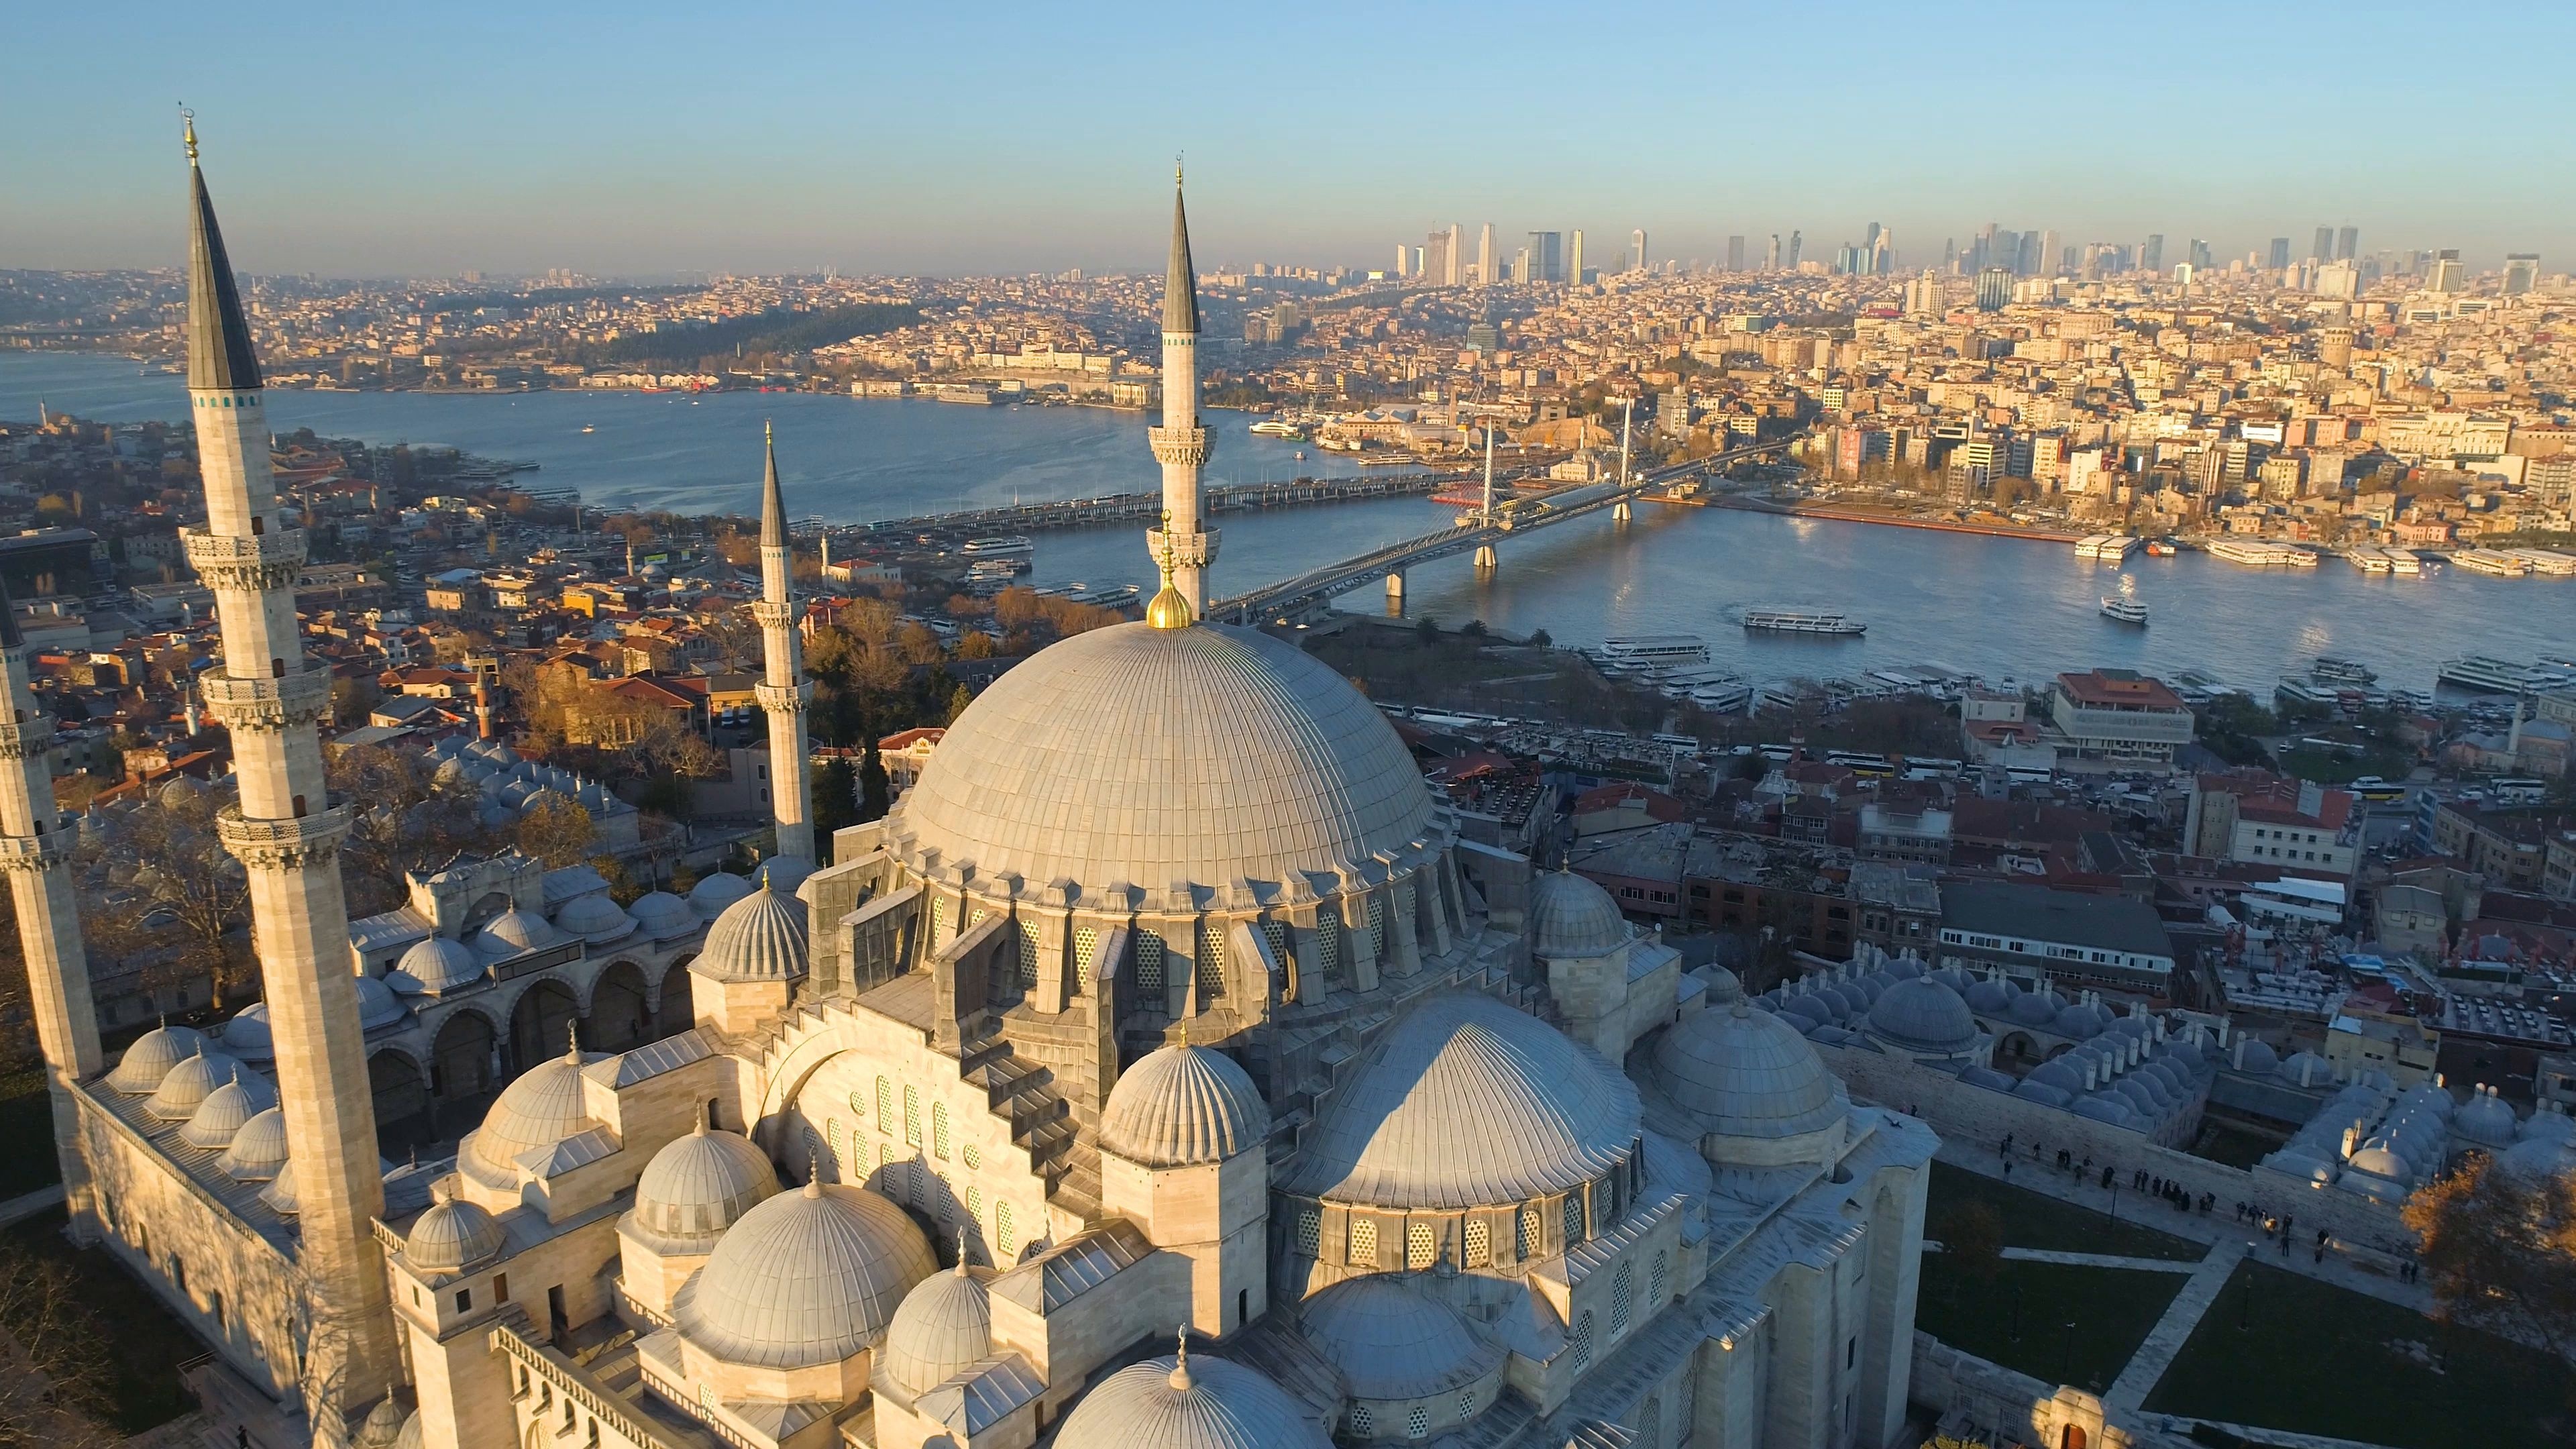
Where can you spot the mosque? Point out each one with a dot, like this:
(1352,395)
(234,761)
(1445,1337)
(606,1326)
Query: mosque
(1165,1070)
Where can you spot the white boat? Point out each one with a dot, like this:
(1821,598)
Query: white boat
(2109,547)
(2127,611)
(1803,621)
(1654,650)
(1277,428)
(2258,553)
(2503,676)
(2492,561)
(1000,544)
(2403,561)
(2369,560)
(2548,562)
(1723,698)
(2330,670)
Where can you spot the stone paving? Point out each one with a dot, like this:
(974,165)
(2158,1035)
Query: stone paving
(2156,1354)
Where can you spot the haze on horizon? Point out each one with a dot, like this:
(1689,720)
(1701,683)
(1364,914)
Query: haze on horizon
(653,139)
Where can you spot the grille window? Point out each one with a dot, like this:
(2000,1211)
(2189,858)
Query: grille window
(1662,1282)
(1417,1423)
(1377,927)
(939,1130)
(1574,1227)
(1276,933)
(1363,1422)
(1650,1425)
(1466,1406)
(1085,941)
(1005,1236)
(1028,962)
(1418,1245)
(859,1106)
(885,1105)
(974,1156)
(832,1134)
(1581,1339)
(1310,1232)
(1623,1295)
(1480,1244)
(1328,941)
(938,922)
(1525,1232)
(1149,962)
(1363,1243)
(1211,957)
(975,1202)
(911,1116)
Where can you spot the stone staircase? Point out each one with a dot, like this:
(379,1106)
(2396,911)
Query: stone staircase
(1041,1122)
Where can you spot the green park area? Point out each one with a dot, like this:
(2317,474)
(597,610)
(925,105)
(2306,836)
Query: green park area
(27,1159)
(2059,1324)
(2029,1219)
(2280,1351)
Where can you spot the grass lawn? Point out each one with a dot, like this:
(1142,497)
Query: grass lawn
(2078,1325)
(2325,1360)
(2035,1220)
(143,1388)
(2330,767)
(26,1135)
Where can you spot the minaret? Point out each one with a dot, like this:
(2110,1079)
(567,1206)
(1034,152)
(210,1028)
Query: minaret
(783,691)
(36,843)
(286,832)
(1180,444)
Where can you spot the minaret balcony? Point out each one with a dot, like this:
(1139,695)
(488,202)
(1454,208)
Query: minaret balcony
(1186,446)
(256,563)
(1185,550)
(773,616)
(23,741)
(36,852)
(293,701)
(289,844)
(775,697)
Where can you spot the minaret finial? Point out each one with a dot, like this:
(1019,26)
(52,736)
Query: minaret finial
(1176,170)
(1168,609)
(1180,1379)
(188,131)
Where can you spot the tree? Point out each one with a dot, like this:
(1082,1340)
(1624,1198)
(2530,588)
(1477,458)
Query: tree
(1427,631)
(403,818)
(58,1390)
(187,883)
(876,792)
(1539,640)
(352,699)
(836,797)
(1473,629)
(958,699)
(555,830)
(2499,1251)
(1973,1237)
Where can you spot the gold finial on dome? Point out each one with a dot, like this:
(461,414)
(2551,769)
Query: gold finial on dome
(188,132)
(1168,610)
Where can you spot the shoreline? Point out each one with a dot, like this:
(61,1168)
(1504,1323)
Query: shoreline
(1858,515)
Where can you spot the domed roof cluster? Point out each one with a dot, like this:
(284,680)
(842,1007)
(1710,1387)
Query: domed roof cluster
(1139,756)
(1570,917)
(510,785)
(1923,1014)
(1466,1102)
(152,1056)
(2372,1140)
(804,1278)
(1740,1072)
(943,1327)
(221,1104)
(760,937)
(1182,1105)
(246,1035)
(2130,1076)
(1188,1403)
(698,1186)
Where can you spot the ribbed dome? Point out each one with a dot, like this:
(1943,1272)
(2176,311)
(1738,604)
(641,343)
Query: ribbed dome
(1148,756)
(441,963)
(699,1185)
(943,1328)
(185,1087)
(382,1426)
(715,891)
(758,938)
(1570,916)
(663,915)
(152,1056)
(1742,1073)
(452,1236)
(805,1278)
(543,1107)
(258,1150)
(2486,1119)
(1180,1105)
(595,918)
(279,1195)
(1210,1404)
(1393,1341)
(513,932)
(1924,1014)
(227,1109)
(1466,1102)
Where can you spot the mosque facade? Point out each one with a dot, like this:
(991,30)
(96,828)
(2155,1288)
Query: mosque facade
(1165,1069)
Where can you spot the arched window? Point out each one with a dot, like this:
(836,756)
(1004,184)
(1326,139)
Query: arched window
(1480,1243)
(975,1202)
(1149,962)
(1574,1218)
(1525,1232)
(885,1105)
(1377,927)
(1211,959)
(1028,960)
(911,1115)
(1328,942)
(1623,1295)
(1419,1244)
(1662,1281)
(1581,1339)
(1363,1243)
(1086,940)
(1006,1236)
(939,1130)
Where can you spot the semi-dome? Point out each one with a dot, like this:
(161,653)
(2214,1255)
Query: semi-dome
(1391,1340)
(1147,756)
(805,1278)
(227,1109)
(595,918)
(513,932)
(1193,1403)
(1570,916)
(543,1107)
(663,916)
(699,1185)
(1467,1102)
(758,938)
(1924,1014)
(943,1327)
(452,1236)
(152,1056)
(716,890)
(377,1004)
(1180,1105)
(258,1150)
(185,1087)
(1741,1073)
(441,964)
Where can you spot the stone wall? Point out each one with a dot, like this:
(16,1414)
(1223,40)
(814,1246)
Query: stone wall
(2015,1407)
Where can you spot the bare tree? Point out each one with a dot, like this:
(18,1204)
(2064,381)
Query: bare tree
(55,1388)
(555,830)
(403,818)
(186,882)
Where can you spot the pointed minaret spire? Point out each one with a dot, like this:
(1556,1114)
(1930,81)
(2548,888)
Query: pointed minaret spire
(773,507)
(1181,282)
(783,691)
(1181,547)
(219,351)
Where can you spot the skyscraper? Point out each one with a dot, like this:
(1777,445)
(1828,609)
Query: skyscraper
(2521,272)
(1180,444)
(1796,240)
(2447,275)
(2280,259)
(1574,259)
(1994,289)
(1485,256)
(1546,258)
(2198,254)
(2048,253)
(1771,257)
(1438,261)
(2324,249)
(2347,243)
(2151,253)
(1451,275)
(1637,249)
(1403,260)
(1735,254)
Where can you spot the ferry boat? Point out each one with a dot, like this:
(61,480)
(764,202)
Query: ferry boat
(999,544)
(2331,670)
(2127,611)
(2109,547)
(1654,651)
(1728,696)
(2502,676)
(2548,562)
(1803,621)
(2294,690)
(1105,595)
(2369,560)
(2257,553)
(1277,428)
(2404,562)
(2492,561)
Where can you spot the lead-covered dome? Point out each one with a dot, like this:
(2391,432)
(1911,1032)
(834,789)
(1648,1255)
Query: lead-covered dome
(1924,1014)
(452,1236)
(258,1151)
(441,963)
(1746,1073)
(943,1328)
(1391,1340)
(758,938)
(1466,1102)
(543,1107)
(805,1278)
(1199,1403)
(1180,1105)
(1147,756)
(152,1056)
(1570,916)
(699,1185)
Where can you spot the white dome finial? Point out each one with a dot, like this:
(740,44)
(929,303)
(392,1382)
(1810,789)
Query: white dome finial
(1181,1360)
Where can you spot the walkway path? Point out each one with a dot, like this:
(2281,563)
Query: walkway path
(2148,1364)
(18,1209)
(2101,1260)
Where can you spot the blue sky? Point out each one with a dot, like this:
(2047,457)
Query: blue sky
(644,138)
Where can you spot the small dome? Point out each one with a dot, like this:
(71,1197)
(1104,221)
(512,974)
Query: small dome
(595,918)
(2105,1108)
(279,1195)
(452,1236)
(699,1185)
(1744,1074)
(1198,1403)
(2260,1059)
(663,916)
(185,1087)
(1180,1105)
(2307,1069)
(410,1437)
(2487,1120)
(227,1109)
(245,1034)
(1725,988)
(1393,1341)
(441,963)
(1991,995)
(1924,1014)
(1988,1078)
(383,1425)
(2036,1008)
(2078,1023)
(258,1150)
(2034,1090)
(2539,1159)
(377,1005)
(784,873)
(2547,1127)
(805,1278)
(717,890)
(1570,916)
(514,932)
(152,1056)
(758,938)
(943,1327)
(541,1108)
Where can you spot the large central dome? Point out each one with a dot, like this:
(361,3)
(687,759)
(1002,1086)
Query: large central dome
(1151,756)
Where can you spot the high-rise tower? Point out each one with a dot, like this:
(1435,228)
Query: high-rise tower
(784,693)
(1180,444)
(286,833)
(35,851)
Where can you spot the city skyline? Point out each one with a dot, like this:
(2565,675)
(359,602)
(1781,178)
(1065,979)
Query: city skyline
(514,146)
